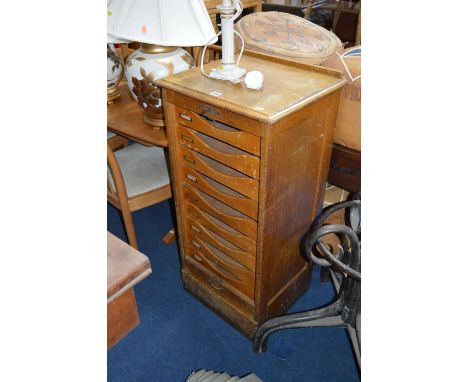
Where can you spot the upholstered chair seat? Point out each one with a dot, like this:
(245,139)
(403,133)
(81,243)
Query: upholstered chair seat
(137,178)
(143,168)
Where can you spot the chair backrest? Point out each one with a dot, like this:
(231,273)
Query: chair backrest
(116,191)
(308,11)
(210,5)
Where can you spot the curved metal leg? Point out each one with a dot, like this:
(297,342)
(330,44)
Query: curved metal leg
(327,316)
(355,342)
(345,271)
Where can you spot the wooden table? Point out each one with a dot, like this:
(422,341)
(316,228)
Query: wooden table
(126,267)
(125,117)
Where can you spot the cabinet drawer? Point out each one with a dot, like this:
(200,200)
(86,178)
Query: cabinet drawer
(217,244)
(226,133)
(220,172)
(231,156)
(219,210)
(218,289)
(226,195)
(226,272)
(219,228)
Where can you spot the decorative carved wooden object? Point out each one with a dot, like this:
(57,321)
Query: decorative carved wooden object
(287,36)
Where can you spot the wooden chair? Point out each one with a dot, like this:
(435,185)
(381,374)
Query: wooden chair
(137,177)
(255,5)
(116,142)
(337,9)
(212,55)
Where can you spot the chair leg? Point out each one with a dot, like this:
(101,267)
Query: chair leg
(129,227)
(169,237)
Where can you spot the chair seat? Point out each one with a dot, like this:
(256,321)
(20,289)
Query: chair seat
(143,168)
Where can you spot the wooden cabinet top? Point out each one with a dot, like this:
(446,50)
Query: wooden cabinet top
(287,87)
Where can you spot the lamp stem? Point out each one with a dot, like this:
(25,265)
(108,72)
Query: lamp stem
(228,69)
(227,35)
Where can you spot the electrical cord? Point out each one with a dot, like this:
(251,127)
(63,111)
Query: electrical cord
(239,9)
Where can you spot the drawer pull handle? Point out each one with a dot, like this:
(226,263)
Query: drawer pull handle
(188,139)
(186,117)
(198,258)
(207,109)
(195,229)
(196,244)
(192,178)
(188,159)
(216,282)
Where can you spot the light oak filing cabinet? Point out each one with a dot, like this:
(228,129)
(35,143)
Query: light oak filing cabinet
(249,169)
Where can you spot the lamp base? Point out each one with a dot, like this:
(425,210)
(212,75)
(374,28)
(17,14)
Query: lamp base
(112,94)
(148,64)
(156,123)
(233,74)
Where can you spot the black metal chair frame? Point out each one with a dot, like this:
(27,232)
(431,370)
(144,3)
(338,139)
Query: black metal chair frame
(345,269)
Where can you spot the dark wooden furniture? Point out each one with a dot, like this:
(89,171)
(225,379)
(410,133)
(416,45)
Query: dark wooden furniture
(249,171)
(348,8)
(345,168)
(294,7)
(125,268)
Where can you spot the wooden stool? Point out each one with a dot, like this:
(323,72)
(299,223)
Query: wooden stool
(125,268)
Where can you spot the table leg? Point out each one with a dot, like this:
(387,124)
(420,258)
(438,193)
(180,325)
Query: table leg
(122,317)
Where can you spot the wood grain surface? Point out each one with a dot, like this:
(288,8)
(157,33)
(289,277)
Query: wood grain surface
(125,267)
(220,200)
(286,88)
(125,117)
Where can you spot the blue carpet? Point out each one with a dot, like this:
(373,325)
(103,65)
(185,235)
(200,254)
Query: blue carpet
(178,334)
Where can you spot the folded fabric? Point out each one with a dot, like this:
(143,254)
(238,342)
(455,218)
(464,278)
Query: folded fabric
(211,376)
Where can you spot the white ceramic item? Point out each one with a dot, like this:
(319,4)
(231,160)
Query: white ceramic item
(254,79)
(114,73)
(143,68)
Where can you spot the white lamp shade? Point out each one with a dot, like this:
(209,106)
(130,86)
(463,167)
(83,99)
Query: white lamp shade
(161,22)
(114,40)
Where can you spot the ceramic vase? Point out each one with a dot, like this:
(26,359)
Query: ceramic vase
(114,73)
(148,64)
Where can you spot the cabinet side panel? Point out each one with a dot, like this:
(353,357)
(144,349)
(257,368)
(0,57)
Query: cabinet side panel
(295,158)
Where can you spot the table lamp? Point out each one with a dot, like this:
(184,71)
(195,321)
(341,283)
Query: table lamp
(160,26)
(114,69)
(228,70)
